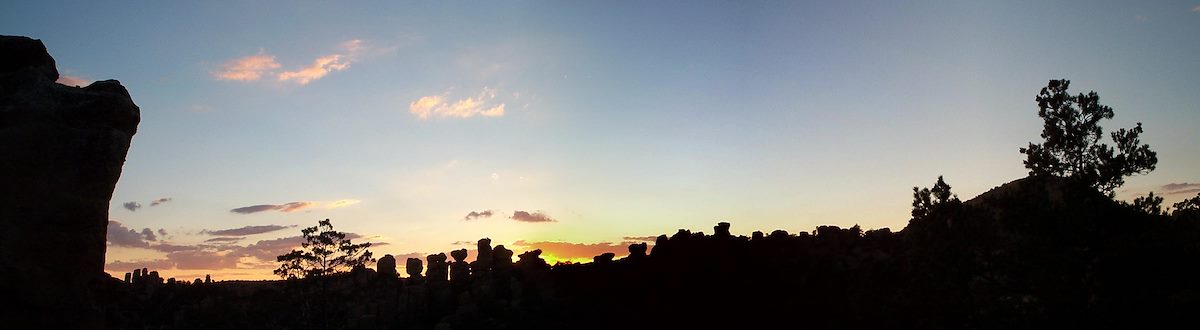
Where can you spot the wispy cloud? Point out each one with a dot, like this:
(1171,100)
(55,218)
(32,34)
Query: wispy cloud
(341,203)
(132,206)
(73,81)
(1181,188)
(531,217)
(263,65)
(1196,9)
(320,67)
(223,240)
(249,68)
(640,238)
(286,208)
(247,230)
(160,201)
(478,214)
(440,106)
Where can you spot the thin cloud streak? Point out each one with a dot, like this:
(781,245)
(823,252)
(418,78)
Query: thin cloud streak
(342,203)
(286,208)
(247,230)
(439,106)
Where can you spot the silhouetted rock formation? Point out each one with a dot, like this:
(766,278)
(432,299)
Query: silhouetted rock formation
(413,267)
(437,267)
(1034,253)
(460,270)
(61,152)
(386,266)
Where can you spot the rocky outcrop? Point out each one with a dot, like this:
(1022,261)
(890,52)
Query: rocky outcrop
(61,152)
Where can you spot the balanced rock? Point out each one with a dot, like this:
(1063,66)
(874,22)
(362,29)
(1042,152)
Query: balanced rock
(386,266)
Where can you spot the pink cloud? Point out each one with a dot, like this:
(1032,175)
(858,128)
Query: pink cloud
(438,106)
(73,81)
(321,66)
(249,68)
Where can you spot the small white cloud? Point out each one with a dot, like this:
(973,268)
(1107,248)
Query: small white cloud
(438,106)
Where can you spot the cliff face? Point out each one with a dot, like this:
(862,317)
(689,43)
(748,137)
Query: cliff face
(61,153)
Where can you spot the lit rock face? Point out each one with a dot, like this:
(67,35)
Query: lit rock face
(61,152)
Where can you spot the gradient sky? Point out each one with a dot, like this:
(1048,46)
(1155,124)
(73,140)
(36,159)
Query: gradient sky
(614,119)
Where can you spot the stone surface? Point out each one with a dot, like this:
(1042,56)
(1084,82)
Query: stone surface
(61,153)
(386,266)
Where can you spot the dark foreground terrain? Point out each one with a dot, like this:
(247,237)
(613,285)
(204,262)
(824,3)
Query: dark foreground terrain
(1039,252)
(1034,253)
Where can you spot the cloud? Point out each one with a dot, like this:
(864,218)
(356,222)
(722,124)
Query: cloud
(222,240)
(267,250)
(129,266)
(476,215)
(162,232)
(247,230)
(73,81)
(439,106)
(249,68)
(119,235)
(160,201)
(289,207)
(203,259)
(640,238)
(321,66)
(175,248)
(1184,191)
(531,217)
(148,235)
(568,250)
(132,206)
(1181,187)
(1196,9)
(342,203)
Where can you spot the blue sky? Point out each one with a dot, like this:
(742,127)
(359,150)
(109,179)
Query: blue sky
(615,119)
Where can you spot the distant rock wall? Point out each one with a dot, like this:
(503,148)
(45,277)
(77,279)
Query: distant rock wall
(61,153)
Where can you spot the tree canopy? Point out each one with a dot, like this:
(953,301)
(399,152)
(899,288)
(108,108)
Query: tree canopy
(1072,147)
(324,251)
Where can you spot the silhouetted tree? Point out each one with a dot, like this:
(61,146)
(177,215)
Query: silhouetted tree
(925,199)
(1072,147)
(1191,205)
(324,251)
(1150,204)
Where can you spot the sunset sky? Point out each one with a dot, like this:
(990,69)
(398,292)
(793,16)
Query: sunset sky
(581,126)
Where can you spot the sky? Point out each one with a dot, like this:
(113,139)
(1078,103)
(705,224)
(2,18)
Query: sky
(578,127)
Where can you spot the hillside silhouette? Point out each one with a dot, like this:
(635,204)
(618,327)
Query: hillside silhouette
(1033,253)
